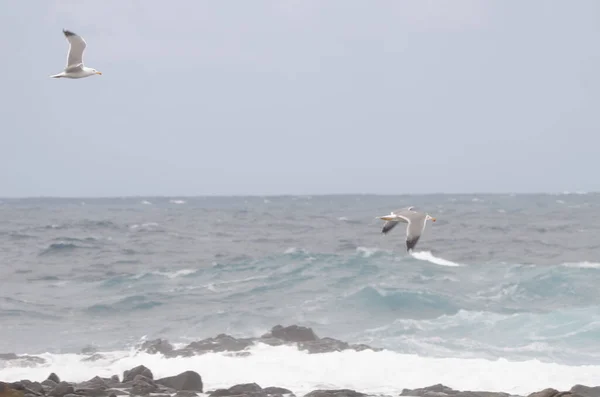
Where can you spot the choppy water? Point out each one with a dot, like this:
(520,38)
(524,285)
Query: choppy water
(509,277)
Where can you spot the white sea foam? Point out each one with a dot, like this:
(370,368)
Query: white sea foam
(383,372)
(177,201)
(583,265)
(429,257)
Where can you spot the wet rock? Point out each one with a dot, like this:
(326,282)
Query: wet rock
(185,393)
(188,380)
(7,390)
(335,393)
(270,391)
(29,387)
(586,391)
(116,392)
(441,390)
(246,389)
(293,333)
(49,385)
(130,375)
(23,360)
(95,387)
(61,390)
(220,343)
(550,392)
(142,386)
(54,378)
(157,346)
(324,345)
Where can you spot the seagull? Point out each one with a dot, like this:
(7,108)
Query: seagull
(75,68)
(416,224)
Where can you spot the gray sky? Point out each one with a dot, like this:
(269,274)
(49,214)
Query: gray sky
(300,97)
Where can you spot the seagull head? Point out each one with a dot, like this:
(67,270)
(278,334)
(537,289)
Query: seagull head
(96,72)
(430,218)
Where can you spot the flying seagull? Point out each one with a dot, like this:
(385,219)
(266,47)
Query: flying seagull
(416,224)
(75,68)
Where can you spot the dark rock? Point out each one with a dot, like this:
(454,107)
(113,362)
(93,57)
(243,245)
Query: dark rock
(220,343)
(549,392)
(96,382)
(276,391)
(30,387)
(441,390)
(157,346)
(293,333)
(24,360)
(61,390)
(586,391)
(335,393)
(116,392)
(54,378)
(324,345)
(185,393)
(48,385)
(142,386)
(188,380)
(237,390)
(7,390)
(128,376)
(113,380)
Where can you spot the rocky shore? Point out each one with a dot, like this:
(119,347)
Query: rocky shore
(140,381)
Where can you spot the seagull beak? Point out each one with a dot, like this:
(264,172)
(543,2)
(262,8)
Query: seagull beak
(432,219)
(100,73)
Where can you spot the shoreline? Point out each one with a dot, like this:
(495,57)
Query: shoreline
(200,378)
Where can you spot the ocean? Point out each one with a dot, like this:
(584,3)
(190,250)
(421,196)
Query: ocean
(501,293)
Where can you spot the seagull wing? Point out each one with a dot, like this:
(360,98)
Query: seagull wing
(76,47)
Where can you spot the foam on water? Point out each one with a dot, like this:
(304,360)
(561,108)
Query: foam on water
(429,257)
(583,265)
(382,372)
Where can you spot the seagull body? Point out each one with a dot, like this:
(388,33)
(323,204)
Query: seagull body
(75,68)
(416,224)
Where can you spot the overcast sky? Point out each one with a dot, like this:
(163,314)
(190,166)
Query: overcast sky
(300,97)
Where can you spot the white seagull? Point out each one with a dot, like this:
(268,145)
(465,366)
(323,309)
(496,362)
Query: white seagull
(416,224)
(75,68)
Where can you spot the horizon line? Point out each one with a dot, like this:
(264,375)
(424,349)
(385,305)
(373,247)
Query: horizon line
(171,196)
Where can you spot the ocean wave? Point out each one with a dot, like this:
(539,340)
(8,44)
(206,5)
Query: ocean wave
(128,304)
(406,303)
(429,257)
(58,248)
(365,371)
(583,265)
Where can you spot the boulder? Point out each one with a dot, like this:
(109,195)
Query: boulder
(293,333)
(335,393)
(61,390)
(188,380)
(7,390)
(129,375)
(586,391)
(157,346)
(442,390)
(237,390)
(54,378)
(143,386)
